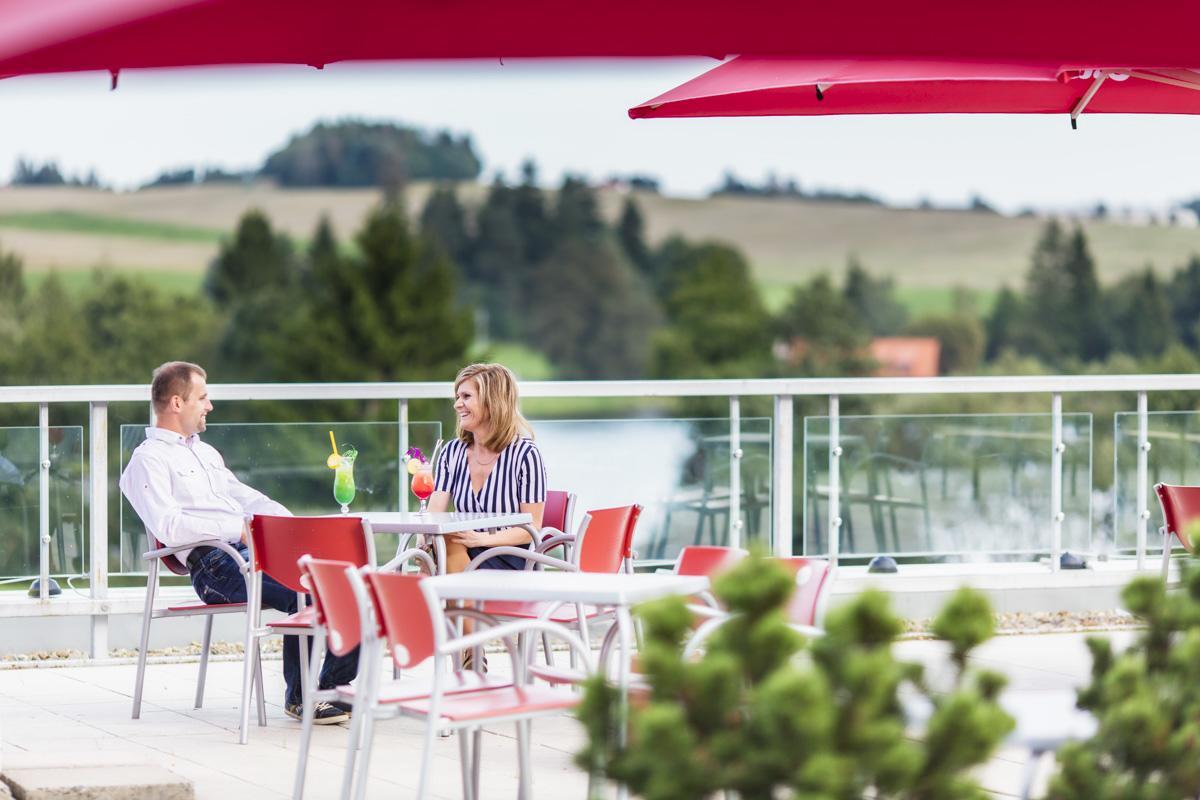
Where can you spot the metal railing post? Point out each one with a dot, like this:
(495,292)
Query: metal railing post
(735,472)
(835,488)
(43,502)
(1143,478)
(781,476)
(404,445)
(1056,474)
(98,540)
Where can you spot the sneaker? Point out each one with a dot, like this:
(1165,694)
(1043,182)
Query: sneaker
(323,713)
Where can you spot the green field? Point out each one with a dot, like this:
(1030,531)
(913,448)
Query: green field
(76,281)
(94,224)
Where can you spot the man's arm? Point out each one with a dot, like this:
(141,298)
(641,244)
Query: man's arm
(146,482)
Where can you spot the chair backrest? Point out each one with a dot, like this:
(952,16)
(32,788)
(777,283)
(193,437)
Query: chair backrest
(405,617)
(1181,507)
(559,510)
(607,540)
(706,560)
(277,543)
(171,562)
(812,581)
(334,601)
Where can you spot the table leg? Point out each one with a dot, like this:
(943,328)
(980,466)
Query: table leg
(625,635)
(439,547)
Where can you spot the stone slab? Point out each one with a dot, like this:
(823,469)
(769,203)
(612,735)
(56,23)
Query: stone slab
(109,782)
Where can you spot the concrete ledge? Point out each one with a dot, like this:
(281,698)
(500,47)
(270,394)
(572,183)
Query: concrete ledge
(112,782)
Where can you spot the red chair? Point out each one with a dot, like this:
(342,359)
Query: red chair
(707,560)
(603,543)
(806,609)
(166,556)
(1181,510)
(416,629)
(276,545)
(557,515)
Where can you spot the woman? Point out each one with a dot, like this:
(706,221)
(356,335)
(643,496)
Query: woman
(492,466)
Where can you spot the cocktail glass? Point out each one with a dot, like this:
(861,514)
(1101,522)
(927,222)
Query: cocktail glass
(422,485)
(343,479)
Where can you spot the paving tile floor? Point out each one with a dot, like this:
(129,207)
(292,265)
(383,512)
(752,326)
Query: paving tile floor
(79,715)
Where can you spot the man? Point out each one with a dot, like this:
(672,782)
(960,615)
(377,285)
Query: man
(184,493)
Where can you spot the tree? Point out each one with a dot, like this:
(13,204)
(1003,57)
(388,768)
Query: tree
(576,212)
(358,153)
(631,233)
(1184,293)
(824,337)
(498,275)
(1140,315)
(961,340)
(1002,330)
(529,208)
(873,300)
(256,259)
(718,326)
(12,278)
(594,316)
(1063,299)
(444,222)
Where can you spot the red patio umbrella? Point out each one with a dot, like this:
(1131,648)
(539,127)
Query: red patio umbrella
(38,36)
(749,86)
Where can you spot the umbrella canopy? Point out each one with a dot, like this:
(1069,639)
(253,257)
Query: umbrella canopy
(39,36)
(748,86)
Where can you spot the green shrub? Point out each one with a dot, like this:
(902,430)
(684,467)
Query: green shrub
(766,711)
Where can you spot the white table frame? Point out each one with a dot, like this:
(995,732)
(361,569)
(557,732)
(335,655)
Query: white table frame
(438,524)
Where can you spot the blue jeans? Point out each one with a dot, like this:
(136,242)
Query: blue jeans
(216,579)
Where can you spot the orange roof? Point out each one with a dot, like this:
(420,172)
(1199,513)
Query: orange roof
(906,356)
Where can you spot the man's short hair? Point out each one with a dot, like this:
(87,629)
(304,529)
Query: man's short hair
(173,378)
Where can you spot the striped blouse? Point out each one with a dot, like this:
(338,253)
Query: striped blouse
(519,476)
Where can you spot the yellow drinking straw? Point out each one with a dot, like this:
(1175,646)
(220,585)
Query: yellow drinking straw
(334,459)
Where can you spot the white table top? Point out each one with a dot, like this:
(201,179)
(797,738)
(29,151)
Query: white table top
(434,523)
(571,587)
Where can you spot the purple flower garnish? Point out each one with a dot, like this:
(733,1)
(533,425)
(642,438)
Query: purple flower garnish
(415,452)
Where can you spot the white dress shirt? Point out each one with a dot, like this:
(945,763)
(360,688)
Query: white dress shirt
(183,492)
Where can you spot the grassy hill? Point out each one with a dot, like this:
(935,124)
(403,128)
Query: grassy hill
(170,234)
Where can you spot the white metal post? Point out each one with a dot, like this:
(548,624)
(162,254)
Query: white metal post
(43,502)
(1056,458)
(1143,478)
(835,474)
(98,540)
(781,476)
(404,445)
(735,472)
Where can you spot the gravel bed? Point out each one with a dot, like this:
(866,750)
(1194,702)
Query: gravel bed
(1016,623)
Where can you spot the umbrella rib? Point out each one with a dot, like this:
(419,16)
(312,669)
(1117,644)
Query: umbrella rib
(1170,80)
(1087,98)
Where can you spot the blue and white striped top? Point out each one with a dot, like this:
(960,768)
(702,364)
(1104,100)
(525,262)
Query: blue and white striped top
(518,476)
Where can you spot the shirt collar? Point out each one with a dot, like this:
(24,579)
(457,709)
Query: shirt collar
(171,437)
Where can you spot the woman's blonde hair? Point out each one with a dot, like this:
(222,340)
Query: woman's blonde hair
(497,389)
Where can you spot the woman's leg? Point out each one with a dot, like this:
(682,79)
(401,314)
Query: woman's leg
(457,557)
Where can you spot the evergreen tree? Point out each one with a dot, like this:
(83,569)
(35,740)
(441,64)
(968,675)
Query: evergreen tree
(819,328)
(631,233)
(1184,292)
(1002,329)
(873,300)
(594,315)
(1140,314)
(444,222)
(576,212)
(960,337)
(257,258)
(49,346)
(498,270)
(1063,299)
(12,279)
(529,206)
(718,325)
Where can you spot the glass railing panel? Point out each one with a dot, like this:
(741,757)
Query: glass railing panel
(286,461)
(947,487)
(678,469)
(1174,457)
(20,502)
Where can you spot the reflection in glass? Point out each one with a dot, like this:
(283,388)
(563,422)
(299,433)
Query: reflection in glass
(20,496)
(1174,457)
(947,486)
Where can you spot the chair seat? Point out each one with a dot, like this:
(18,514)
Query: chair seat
(493,703)
(202,608)
(520,609)
(416,688)
(305,618)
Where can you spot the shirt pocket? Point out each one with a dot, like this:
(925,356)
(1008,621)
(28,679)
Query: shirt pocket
(216,476)
(191,484)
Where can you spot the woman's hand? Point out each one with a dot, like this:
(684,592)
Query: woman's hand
(517,537)
(473,538)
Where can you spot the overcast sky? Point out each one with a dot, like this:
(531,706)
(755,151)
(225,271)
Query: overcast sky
(571,116)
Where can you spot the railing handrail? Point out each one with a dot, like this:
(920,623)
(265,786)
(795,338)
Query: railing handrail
(764,387)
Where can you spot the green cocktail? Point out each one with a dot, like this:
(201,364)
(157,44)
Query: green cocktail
(343,479)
